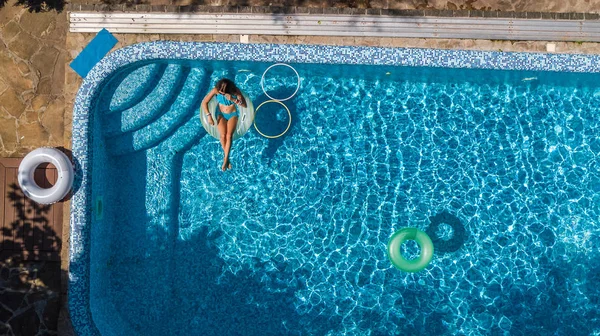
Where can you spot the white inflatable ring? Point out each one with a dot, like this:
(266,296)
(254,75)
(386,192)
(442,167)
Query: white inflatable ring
(262,81)
(289,119)
(244,123)
(63,183)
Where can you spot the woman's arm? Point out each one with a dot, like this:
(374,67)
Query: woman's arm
(204,105)
(206,99)
(242,100)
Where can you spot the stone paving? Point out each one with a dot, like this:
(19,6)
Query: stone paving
(32,59)
(30,298)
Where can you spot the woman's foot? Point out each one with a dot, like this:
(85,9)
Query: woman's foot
(226,165)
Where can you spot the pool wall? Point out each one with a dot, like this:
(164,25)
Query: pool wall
(82,205)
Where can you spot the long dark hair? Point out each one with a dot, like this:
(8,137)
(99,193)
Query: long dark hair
(227,86)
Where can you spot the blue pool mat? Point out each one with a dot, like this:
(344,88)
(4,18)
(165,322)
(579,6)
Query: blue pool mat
(93,52)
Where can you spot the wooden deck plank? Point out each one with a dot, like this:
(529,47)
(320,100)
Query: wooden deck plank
(38,227)
(21,214)
(48,228)
(3,196)
(51,176)
(10,210)
(57,222)
(34,224)
(45,213)
(9,167)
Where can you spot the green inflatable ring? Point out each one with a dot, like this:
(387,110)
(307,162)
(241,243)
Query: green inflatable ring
(395,254)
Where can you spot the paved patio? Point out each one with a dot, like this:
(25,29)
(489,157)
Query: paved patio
(37,87)
(32,58)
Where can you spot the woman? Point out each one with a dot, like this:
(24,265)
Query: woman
(229,97)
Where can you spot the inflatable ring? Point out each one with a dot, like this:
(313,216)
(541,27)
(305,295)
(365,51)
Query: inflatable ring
(262,81)
(395,254)
(63,183)
(289,121)
(245,119)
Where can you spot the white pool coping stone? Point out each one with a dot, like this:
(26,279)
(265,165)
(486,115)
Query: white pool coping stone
(338,25)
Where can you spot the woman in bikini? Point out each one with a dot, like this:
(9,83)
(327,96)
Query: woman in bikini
(229,97)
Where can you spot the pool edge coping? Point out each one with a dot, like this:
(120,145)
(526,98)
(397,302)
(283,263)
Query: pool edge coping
(80,216)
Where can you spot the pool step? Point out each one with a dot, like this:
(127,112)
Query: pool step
(182,110)
(150,108)
(128,87)
(136,86)
(189,133)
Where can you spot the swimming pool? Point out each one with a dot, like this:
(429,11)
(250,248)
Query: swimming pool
(499,166)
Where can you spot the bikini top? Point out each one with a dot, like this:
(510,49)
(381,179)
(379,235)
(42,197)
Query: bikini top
(224,101)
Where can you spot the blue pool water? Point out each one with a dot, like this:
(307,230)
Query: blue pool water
(501,168)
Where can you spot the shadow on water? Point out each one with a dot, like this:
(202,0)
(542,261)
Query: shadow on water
(142,278)
(459,233)
(145,205)
(552,299)
(158,284)
(272,119)
(550,307)
(207,299)
(211,301)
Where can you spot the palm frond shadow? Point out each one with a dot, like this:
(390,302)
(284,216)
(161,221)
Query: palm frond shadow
(30,267)
(38,6)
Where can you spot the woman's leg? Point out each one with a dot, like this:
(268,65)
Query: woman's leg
(222,128)
(231,123)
